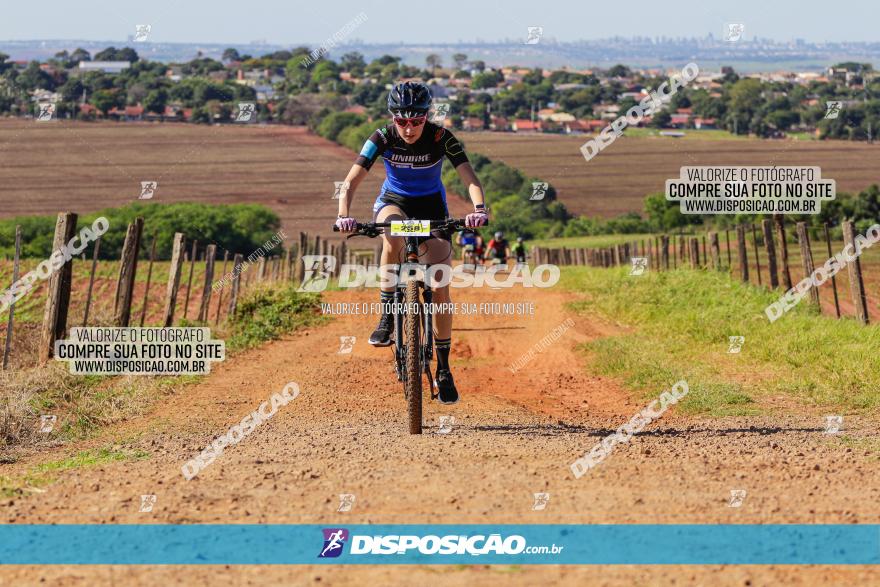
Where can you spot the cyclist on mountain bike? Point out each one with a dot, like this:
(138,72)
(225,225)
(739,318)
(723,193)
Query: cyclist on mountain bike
(519,250)
(467,240)
(499,250)
(413,150)
(479,249)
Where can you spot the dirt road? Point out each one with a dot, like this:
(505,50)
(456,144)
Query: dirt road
(512,436)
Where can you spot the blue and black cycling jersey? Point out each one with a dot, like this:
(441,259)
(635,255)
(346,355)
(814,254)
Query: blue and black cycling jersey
(413,170)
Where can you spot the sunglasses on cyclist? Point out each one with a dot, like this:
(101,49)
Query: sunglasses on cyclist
(415,121)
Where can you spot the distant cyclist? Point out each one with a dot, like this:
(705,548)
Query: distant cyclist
(413,150)
(479,249)
(498,250)
(467,240)
(519,250)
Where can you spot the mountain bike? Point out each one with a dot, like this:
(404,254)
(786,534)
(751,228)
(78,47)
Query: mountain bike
(413,332)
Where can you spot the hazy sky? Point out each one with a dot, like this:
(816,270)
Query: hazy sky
(286,22)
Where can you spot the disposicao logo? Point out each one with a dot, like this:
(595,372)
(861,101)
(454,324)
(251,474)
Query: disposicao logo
(334,540)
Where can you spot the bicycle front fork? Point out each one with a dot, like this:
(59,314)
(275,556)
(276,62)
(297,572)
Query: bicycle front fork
(427,350)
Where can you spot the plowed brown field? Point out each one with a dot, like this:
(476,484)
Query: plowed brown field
(82,167)
(617,180)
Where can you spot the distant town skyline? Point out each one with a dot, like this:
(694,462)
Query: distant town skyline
(450,21)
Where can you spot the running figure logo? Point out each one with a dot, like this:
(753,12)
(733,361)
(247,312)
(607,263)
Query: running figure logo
(734,32)
(539,190)
(833,424)
(735,344)
(246,111)
(47,111)
(535,34)
(147,503)
(446,423)
(47,423)
(832,109)
(334,540)
(639,265)
(148,190)
(439,113)
(541,501)
(346,502)
(737,496)
(346,344)
(340,189)
(142,32)
(318,270)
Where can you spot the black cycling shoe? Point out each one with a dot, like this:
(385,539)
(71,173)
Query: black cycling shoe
(446,392)
(382,335)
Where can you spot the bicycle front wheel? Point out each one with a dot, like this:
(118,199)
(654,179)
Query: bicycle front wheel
(413,375)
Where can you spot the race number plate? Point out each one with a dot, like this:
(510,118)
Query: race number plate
(410,228)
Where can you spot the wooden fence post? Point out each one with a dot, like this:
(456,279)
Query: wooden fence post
(9,323)
(223,286)
(767,230)
(757,255)
(833,278)
(681,249)
(127,271)
(854,270)
(298,263)
(288,262)
(294,253)
(236,283)
(664,251)
(695,252)
(149,278)
(174,271)
(807,259)
(705,258)
(210,254)
(58,298)
(729,257)
(742,254)
(192,265)
(779,221)
(716,250)
(657,251)
(95,253)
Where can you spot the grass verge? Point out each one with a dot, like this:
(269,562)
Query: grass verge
(45,473)
(677,327)
(85,404)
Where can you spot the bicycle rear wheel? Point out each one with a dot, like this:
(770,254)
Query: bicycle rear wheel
(412,381)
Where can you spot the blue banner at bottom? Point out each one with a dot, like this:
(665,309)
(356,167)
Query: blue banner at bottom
(630,544)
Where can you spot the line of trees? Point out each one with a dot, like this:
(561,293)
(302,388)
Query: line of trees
(235,227)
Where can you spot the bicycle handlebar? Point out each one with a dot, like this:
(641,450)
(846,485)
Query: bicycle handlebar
(372,228)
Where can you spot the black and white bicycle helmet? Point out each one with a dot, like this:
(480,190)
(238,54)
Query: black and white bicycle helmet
(409,99)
